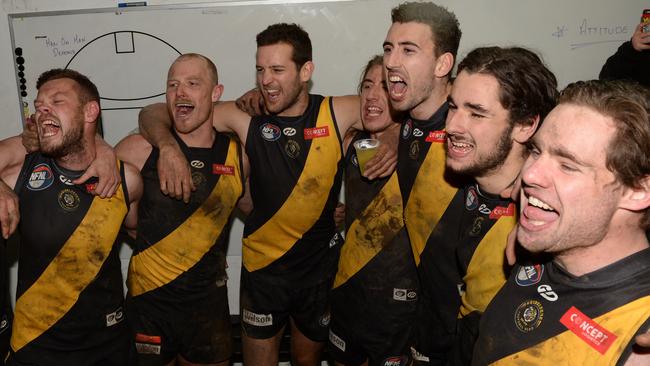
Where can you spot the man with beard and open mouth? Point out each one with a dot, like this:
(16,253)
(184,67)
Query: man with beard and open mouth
(69,301)
(585,194)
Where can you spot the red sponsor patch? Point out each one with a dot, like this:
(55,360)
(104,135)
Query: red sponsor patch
(90,187)
(436,136)
(312,133)
(139,337)
(588,330)
(223,169)
(502,211)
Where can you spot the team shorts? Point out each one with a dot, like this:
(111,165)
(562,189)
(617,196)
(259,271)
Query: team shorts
(199,332)
(5,335)
(265,307)
(432,341)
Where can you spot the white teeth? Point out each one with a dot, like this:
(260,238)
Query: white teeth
(184,105)
(461,145)
(539,203)
(395,79)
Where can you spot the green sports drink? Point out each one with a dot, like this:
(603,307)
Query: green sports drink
(366,149)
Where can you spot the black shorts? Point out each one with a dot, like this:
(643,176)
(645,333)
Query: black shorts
(115,352)
(5,335)
(265,307)
(433,337)
(199,332)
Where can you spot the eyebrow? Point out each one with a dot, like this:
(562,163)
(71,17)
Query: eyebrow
(405,43)
(560,151)
(472,106)
(53,95)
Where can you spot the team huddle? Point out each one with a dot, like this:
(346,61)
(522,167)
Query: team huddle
(500,222)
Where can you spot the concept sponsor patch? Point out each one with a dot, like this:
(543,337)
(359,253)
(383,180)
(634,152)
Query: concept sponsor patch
(471,200)
(406,130)
(337,341)
(147,344)
(40,178)
(258,320)
(588,330)
(270,132)
(404,294)
(529,275)
(292,148)
(316,132)
(529,315)
(115,317)
(436,136)
(68,200)
(221,169)
(500,211)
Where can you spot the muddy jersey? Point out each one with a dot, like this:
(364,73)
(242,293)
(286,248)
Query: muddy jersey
(69,293)
(544,315)
(180,249)
(295,182)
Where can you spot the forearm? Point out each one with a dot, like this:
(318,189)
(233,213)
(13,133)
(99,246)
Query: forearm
(155,125)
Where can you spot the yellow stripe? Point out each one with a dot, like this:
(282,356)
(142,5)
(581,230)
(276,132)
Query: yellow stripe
(428,200)
(367,236)
(304,205)
(568,349)
(76,265)
(486,271)
(179,251)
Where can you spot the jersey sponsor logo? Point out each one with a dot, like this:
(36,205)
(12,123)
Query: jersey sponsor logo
(115,317)
(221,169)
(417,132)
(396,361)
(500,211)
(404,294)
(68,200)
(324,320)
(4,324)
(292,148)
(198,164)
(484,209)
(418,356)
(41,178)
(337,341)
(529,315)
(315,132)
(270,132)
(547,292)
(406,130)
(529,275)
(259,320)
(147,344)
(436,136)
(477,226)
(65,180)
(289,131)
(588,330)
(414,150)
(471,200)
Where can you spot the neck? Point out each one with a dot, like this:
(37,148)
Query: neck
(299,107)
(392,126)
(622,240)
(436,99)
(497,180)
(79,160)
(202,136)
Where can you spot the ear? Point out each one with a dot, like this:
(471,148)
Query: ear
(524,130)
(217,91)
(636,199)
(91,112)
(306,70)
(444,64)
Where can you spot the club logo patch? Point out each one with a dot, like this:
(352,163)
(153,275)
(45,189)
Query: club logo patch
(65,180)
(529,275)
(406,130)
(588,330)
(354,159)
(198,164)
(259,320)
(529,315)
(147,344)
(41,178)
(436,136)
(417,132)
(197,179)
(270,132)
(396,361)
(292,148)
(289,131)
(476,227)
(337,341)
(315,132)
(221,169)
(471,200)
(414,150)
(115,317)
(404,294)
(68,200)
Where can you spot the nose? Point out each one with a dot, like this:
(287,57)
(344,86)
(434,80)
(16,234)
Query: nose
(534,172)
(264,77)
(43,108)
(456,122)
(180,90)
(391,59)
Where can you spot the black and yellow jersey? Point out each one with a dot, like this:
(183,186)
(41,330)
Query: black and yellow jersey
(545,316)
(180,248)
(295,182)
(69,293)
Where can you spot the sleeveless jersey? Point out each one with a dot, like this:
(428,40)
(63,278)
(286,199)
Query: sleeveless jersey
(69,294)
(295,182)
(180,248)
(546,316)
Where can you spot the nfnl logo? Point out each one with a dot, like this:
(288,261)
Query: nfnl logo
(41,178)
(270,132)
